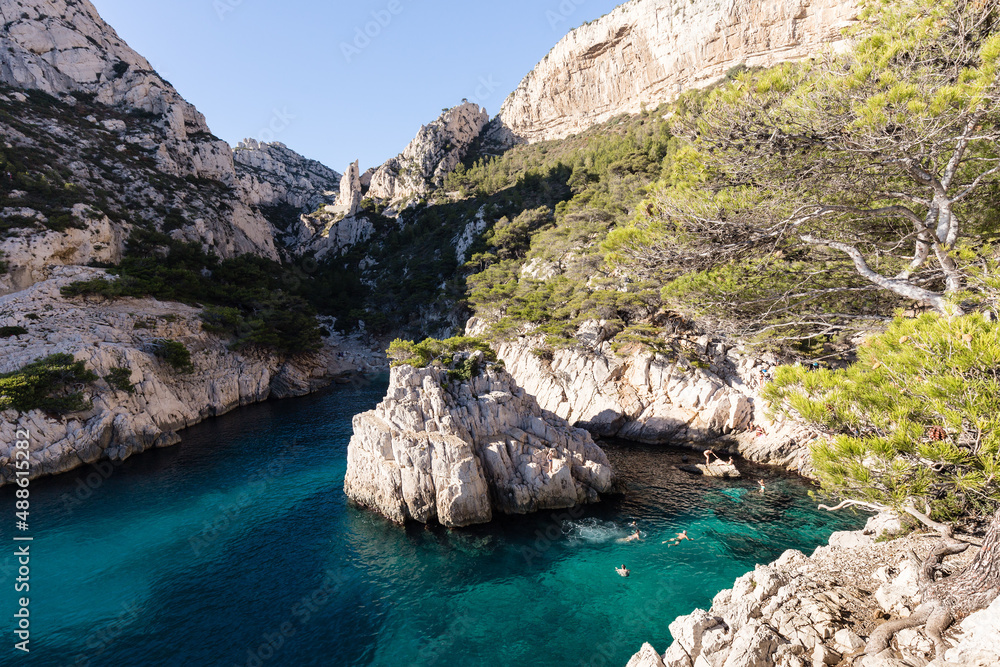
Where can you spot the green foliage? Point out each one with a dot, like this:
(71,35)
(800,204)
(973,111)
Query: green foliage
(784,171)
(590,184)
(120,378)
(9,332)
(915,421)
(442,353)
(174,353)
(246,295)
(53,384)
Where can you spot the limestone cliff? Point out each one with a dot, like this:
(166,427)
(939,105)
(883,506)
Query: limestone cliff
(121,334)
(705,394)
(123,140)
(272,174)
(460,452)
(436,151)
(645,52)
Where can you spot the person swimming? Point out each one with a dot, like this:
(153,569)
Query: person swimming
(681,536)
(633,537)
(623,571)
(763,487)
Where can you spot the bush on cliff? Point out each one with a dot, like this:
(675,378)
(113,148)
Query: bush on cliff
(53,384)
(174,353)
(433,352)
(914,423)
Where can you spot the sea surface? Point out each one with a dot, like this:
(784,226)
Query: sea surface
(238,547)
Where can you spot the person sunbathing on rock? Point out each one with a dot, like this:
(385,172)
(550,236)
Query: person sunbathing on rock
(622,570)
(681,536)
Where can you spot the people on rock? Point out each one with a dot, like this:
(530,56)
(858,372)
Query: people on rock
(708,456)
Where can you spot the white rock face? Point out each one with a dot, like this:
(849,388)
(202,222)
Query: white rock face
(815,611)
(120,334)
(642,397)
(272,173)
(350,191)
(979,645)
(638,395)
(645,52)
(31,255)
(458,453)
(432,155)
(64,47)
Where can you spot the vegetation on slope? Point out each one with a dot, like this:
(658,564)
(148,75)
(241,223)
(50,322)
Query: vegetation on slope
(456,354)
(53,384)
(246,298)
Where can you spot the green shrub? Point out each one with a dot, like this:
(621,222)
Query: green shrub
(174,353)
(9,332)
(120,378)
(53,384)
(441,353)
(916,421)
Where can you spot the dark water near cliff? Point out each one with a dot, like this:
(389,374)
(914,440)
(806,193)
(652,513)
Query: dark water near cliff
(238,548)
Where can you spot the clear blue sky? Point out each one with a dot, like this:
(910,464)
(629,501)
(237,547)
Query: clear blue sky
(251,65)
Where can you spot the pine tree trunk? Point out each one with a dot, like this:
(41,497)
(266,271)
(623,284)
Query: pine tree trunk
(952,598)
(977,586)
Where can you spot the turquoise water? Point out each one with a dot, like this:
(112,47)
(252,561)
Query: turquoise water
(238,548)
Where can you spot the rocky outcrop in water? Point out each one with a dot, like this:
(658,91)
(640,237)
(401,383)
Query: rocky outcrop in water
(432,155)
(645,52)
(272,174)
(459,453)
(122,334)
(813,611)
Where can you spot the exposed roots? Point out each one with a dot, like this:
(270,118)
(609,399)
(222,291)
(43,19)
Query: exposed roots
(945,600)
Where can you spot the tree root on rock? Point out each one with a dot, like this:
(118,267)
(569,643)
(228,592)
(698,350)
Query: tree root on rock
(952,598)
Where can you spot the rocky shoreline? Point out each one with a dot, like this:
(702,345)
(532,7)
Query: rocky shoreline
(121,334)
(706,395)
(811,611)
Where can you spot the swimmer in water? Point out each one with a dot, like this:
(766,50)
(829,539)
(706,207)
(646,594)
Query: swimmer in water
(763,487)
(681,536)
(622,570)
(633,537)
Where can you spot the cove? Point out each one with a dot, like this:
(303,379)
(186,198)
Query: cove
(238,547)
